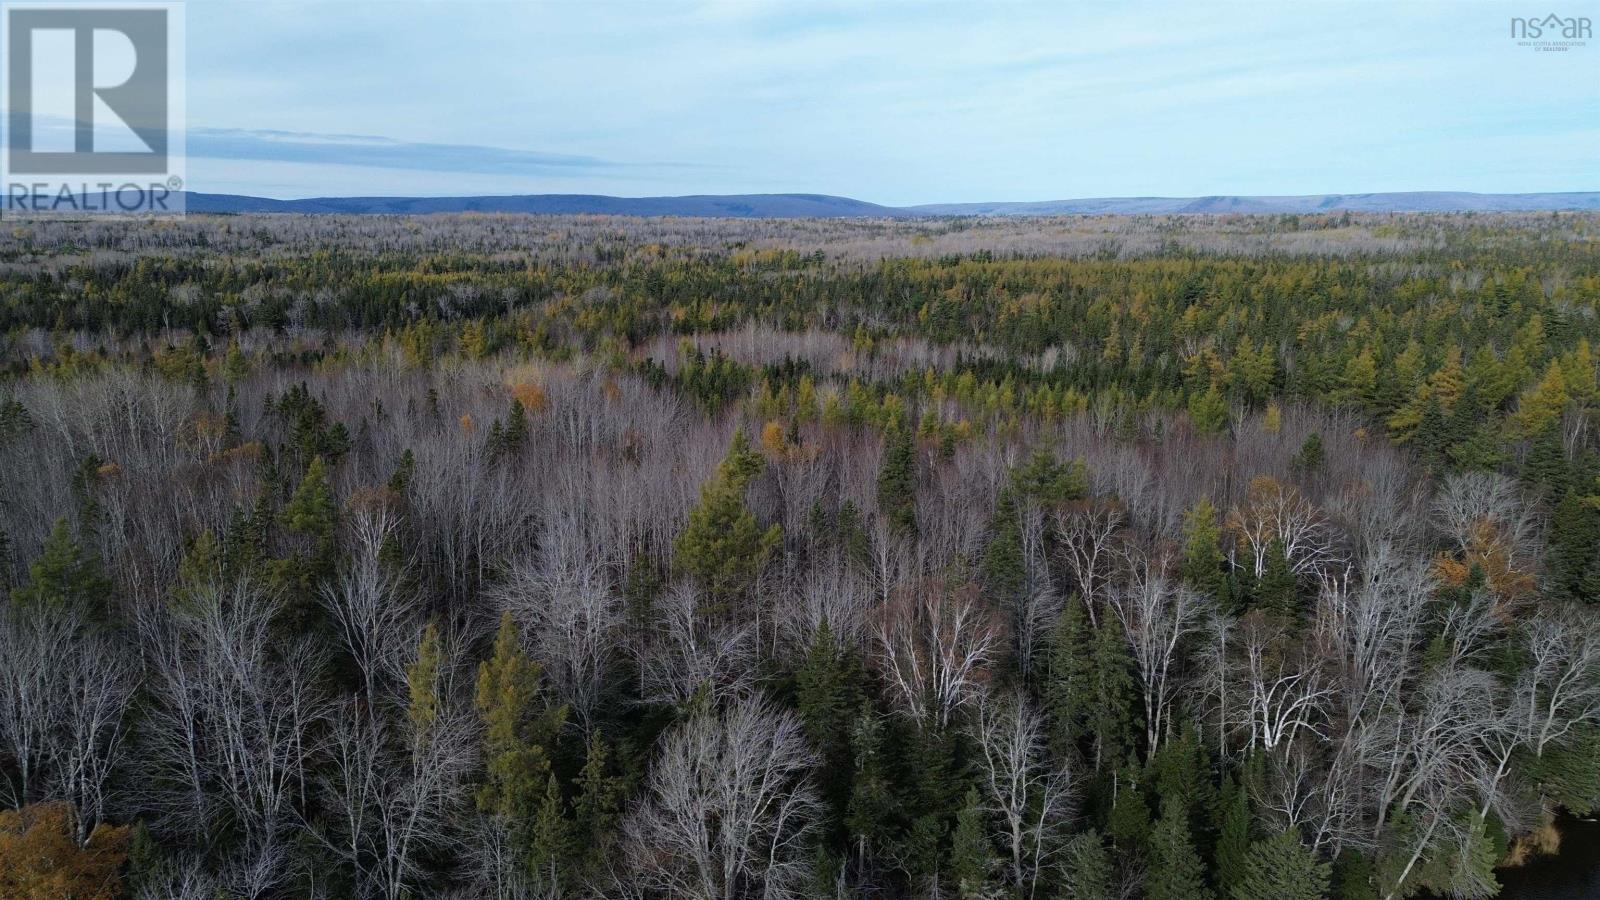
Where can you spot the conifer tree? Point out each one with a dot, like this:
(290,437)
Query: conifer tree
(548,844)
(519,735)
(1281,868)
(972,855)
(1175,870)
(1209,411)
(422,681)
(1233,836)
(1203,565)
(1129,821)
(64,576)
(595,810)
(897,480)
(1352,877)
(1087,871)
(872,802)
(827,689)
(1277,591)
(1114,720)
(1004,578)
(723,547)
(1069,687)
(312,513)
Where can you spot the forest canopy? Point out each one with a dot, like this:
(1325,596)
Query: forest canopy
(1225,557)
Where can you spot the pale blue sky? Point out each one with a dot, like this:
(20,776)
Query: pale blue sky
(893,102)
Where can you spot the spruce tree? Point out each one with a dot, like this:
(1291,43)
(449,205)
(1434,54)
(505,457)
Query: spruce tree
(1277,591)
(1282,868)
(1203,565)
(548,841)
(1004,577)
(897,481)
(595,809)
(1113,720)
(1175,872)
(313,514)
(64,576)
(1352,877)
(827,694)
(422,681)
(722,548)
(1233,836)
(873,806)
(1069,684)
(1087,871)
(1129,821)
(519,732)
(972,855)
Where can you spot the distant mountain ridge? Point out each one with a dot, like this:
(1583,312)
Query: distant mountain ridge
(803,206)
(729,206)
(1405,201)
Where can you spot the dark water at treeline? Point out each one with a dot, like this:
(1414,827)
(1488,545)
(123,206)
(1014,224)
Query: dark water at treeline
(1572,874)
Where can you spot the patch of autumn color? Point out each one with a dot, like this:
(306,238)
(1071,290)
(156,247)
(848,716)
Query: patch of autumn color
(40,860)
(610,391)
(109,470)
(209,430)
(367,499)
(773,440)
(247,452)
(531,395)
(1490,550)
(466,423)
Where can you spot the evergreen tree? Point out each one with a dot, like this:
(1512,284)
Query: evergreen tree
(972,855)
(897,481)
(1004,576)
(519,735)
(1233,836)
(873,806)
(1087,871)
(1209,411)
(1175,872)
(312,513)
(1573,557)
(1069,687)
(1282,868)
(1352,877)
(595,810)
(1309,458)
(548,845)
(1114,717)
(1129,822)
(722,547)
(1277,591)
(1182,773)
(827,689)
(1204,566)
(422,681)
(64,576)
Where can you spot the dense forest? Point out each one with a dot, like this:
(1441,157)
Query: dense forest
(1184,558)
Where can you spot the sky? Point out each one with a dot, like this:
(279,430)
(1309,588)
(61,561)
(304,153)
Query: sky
(890,101)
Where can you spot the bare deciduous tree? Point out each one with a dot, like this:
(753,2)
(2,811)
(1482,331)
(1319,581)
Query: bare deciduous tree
(935,644)
(1025,789)
(729,808)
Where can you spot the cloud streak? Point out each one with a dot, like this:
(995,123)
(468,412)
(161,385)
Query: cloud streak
(265,145)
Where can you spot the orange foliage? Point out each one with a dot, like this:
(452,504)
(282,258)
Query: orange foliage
(39,860)
(773,440)
(532,396)
(1490,550)
(466,423)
